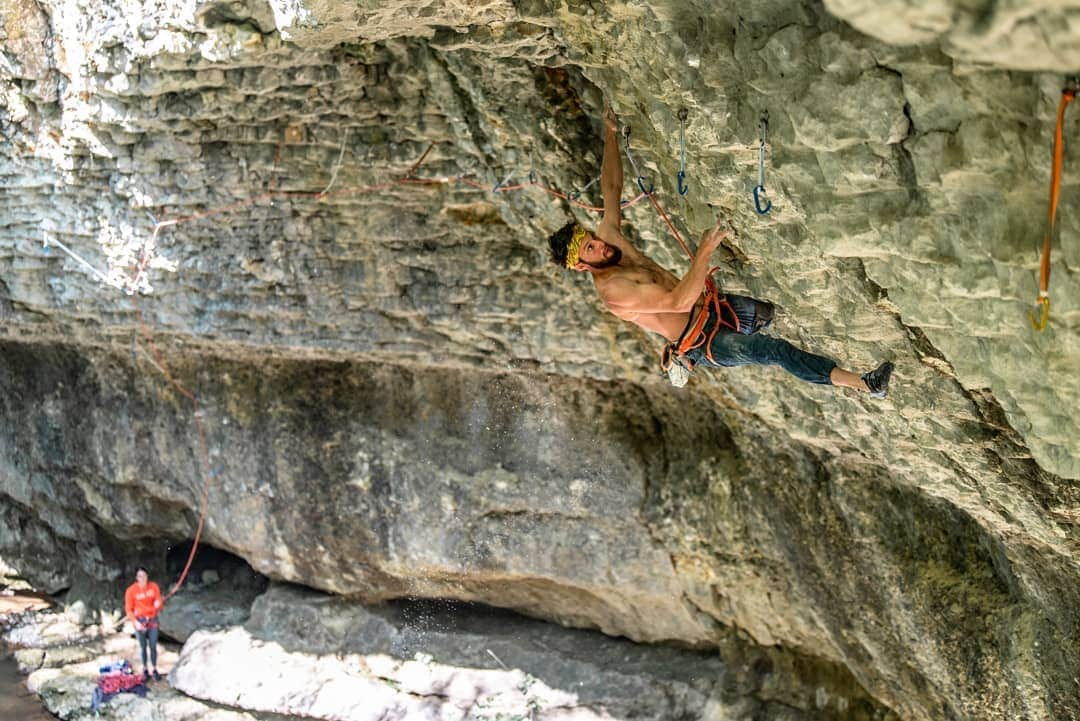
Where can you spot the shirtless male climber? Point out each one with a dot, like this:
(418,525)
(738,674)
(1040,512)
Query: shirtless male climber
(701,327)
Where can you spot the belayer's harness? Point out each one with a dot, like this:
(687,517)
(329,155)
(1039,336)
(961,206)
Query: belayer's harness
(149,623)
(694,335)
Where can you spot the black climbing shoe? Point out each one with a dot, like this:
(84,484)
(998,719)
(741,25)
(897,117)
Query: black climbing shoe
(157,676)
(145,676)
(877,380)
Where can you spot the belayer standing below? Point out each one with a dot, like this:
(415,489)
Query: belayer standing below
(701,327)
(142,603)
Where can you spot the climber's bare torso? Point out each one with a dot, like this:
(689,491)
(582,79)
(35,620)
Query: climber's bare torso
(639,276)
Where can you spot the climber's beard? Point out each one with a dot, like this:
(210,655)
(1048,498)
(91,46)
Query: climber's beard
(612,257)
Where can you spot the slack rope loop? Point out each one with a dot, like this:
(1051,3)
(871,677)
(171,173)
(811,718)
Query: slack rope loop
(1042,304)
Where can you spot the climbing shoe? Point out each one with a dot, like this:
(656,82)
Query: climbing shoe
(145,676)
(157,676)
(877,380)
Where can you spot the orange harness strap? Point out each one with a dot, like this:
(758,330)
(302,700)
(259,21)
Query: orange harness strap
(1043,301)
(694,337)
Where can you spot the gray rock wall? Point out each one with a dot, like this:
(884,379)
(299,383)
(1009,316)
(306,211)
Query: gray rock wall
(607,505)
(404,399)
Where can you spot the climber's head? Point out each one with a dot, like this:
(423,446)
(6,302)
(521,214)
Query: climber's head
(576,248)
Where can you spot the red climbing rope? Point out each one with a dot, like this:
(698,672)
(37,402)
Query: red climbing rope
(204,452)
(670,225)
(1043,301)
(715,301)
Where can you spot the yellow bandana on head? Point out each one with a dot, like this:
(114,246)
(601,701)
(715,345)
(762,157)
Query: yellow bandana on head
(574,248)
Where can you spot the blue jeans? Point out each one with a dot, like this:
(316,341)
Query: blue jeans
(735,349)
(149,637)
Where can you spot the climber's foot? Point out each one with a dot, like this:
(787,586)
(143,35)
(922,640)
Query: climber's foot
(877,380)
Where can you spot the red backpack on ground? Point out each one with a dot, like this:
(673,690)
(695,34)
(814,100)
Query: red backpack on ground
(116,678)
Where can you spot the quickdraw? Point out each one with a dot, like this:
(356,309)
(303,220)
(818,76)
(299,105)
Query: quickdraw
(1042,304)
(575,194)
(683,188)
(637,173)
(759,190)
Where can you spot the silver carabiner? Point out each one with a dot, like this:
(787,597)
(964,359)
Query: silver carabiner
(764,125)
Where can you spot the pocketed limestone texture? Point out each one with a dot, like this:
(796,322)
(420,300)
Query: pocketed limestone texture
(402,398)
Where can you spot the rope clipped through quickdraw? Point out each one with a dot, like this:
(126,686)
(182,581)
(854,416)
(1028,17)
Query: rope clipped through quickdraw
(1042,304)
(681,177)
(650,194)
(759,190)
(637,173)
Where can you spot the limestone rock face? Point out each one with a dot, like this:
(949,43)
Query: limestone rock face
(399,397)
(1011,35)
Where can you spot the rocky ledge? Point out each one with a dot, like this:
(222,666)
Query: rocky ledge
(307,655)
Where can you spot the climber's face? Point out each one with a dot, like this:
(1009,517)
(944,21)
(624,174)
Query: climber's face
(597,254)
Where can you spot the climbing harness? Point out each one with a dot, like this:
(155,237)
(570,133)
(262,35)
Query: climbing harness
(1042,304)
(759,190)
(693,336)
(681,177)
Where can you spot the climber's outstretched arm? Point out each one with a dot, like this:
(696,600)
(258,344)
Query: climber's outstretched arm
(611,173)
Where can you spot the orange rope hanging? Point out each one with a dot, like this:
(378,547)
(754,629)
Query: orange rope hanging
(1043,302)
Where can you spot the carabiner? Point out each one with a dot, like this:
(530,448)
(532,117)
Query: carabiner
(1039,323)
(757,201)
(760,188)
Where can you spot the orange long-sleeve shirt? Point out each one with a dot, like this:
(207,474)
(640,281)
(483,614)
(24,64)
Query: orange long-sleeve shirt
(139,602)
